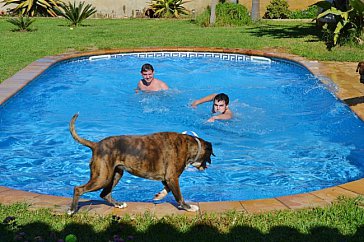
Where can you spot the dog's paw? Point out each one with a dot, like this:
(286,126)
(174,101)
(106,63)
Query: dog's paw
(189,207)
(193,208)
(121,205)
(70,212)
(160,195)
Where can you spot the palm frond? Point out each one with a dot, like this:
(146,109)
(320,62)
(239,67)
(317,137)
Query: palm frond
(76,14)
(22,23)
(168,8)
(33,7)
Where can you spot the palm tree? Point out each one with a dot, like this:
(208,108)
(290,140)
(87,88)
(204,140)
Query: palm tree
(213,12)
(255,14)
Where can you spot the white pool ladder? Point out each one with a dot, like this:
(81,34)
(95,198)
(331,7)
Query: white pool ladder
(260,59)
(99,57)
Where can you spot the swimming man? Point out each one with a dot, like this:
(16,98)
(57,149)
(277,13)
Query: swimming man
(220,106)
(148,82)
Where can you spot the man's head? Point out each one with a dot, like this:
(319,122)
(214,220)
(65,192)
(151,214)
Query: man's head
(220,103)
(147,72)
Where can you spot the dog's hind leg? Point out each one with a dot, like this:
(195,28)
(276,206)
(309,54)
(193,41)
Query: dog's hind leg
(106,193)
(173,184)
(90,186)
(160,195)
(97,181)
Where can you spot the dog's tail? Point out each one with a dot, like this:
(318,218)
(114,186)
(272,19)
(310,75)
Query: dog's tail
(80,140)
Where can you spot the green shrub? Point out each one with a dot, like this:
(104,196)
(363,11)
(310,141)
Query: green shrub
(232,14)
(203,19)
(22,23)
(76,14)
(347,27)
(227,14)
(167,9)
(309,13)
(33,7)
(277,9)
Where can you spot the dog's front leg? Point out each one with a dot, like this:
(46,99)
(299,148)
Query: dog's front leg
(160,195)
(173,184)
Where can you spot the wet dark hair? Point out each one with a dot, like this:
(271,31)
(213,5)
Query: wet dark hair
(147,67)
(220,97)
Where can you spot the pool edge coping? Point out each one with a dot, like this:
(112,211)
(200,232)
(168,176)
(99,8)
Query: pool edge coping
(349,90)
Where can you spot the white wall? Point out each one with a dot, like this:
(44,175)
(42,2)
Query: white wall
(129,8)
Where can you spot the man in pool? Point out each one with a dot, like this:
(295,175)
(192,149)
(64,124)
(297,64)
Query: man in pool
(148,82)
(220,106)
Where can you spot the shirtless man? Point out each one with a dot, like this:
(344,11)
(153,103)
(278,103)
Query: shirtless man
(148,82)
(220,106)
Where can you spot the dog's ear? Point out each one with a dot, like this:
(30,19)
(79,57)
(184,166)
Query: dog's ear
(208,160)
(360,67)
(209,148)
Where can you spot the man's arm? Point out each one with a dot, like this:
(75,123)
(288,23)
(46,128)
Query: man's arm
(164,86)
(137,89)
(224,116)
(203,100)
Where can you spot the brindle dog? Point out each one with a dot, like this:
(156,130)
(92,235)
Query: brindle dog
(360,69)
(160,156)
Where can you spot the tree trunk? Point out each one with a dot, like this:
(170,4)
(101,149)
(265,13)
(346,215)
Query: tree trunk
(213,12)
(255,14)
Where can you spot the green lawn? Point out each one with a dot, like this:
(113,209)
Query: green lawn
(52,36)
(342,221)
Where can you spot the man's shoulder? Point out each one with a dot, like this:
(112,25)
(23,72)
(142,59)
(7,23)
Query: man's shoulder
(161,83)
(158,81)
(229,113)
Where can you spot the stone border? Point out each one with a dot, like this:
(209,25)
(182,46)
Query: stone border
(349,90)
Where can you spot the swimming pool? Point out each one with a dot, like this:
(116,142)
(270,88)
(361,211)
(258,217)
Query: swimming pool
(280,142)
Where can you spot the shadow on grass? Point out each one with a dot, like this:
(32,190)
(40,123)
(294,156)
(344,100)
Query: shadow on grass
(286,32)
(163,231)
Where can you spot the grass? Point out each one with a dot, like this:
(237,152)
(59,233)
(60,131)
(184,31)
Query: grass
(342,221)
(53,36)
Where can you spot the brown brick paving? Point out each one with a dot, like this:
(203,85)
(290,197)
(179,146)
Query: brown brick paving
(263,205)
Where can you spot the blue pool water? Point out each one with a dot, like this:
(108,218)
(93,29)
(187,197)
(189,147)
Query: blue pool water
(289,133)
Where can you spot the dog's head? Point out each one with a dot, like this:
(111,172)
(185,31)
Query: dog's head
(204,155)
(360,68)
